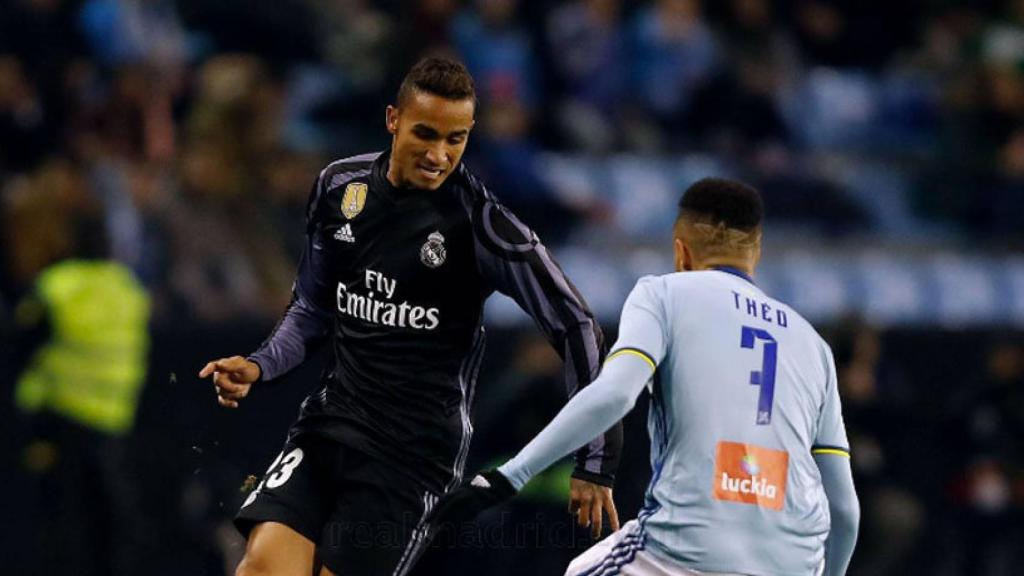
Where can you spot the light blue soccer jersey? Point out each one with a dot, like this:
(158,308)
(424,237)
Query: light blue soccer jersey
(744,393)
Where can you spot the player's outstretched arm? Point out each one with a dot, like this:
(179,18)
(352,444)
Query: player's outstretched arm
(591,411)
(844,508)
(304,326)
(515,262)
(307,321)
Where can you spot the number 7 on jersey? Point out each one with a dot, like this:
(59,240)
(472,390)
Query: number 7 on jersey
(766,377)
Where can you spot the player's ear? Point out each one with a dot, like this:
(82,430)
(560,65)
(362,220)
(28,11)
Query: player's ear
(680,254)
(689,261)
(391,119)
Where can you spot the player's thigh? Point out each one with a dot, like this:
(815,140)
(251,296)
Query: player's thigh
(278,550)
(295,491)
(376,526)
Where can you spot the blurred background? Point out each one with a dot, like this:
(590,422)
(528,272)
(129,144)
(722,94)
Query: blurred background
(156,155)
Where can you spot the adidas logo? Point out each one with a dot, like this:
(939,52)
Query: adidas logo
(480,482)
(344,234)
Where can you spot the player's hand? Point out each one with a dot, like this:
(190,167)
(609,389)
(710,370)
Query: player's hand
(466,502)
(232,378)
(588,502)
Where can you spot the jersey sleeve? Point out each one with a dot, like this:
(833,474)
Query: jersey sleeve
(513,261)
(307,320)
(831,436)
(605,401)
(844,512)
(643,326)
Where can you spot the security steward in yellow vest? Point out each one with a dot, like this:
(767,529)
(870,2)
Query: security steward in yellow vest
(84,340)
(92,368)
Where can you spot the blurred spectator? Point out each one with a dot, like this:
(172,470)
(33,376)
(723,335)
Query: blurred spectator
(882,445)
(132,196)
(124,32)
(424,27)
(498,53)
(506,154)
(587,51)
(850,34)
(736,111)
(36,214)
(44,35)
(229,148)
(991,415)
(281,32)
(83,335)
(799,195)
(674,54)
(357,38)
(132,121)
(1005,206)
(1002,43)
(27,133)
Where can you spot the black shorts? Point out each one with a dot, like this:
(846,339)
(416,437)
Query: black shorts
(364,517)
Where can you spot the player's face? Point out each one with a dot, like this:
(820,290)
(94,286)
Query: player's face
(429,136)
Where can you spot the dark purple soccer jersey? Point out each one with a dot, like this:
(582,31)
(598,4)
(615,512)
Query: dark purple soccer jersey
(397,280)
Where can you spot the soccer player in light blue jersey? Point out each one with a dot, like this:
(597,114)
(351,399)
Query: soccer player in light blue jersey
(751,472)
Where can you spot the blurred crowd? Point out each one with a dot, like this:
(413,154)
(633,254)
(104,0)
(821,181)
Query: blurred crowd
(197,124)
(195,129)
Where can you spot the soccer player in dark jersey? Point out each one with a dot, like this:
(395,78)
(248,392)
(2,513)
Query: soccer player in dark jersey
(403,248)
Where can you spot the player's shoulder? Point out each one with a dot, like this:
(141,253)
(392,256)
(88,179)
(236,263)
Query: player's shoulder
(471,186)
(674,289)
(345,170)
(688,282)
(495,225)
(338,174)
(650,286)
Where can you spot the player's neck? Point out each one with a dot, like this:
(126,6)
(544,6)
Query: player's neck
(742,265)
(392,174)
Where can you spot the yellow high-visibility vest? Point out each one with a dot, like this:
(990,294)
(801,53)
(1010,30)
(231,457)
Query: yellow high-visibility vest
(93,367)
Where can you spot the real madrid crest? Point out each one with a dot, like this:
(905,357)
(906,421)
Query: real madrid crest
(354,199)
(433,252)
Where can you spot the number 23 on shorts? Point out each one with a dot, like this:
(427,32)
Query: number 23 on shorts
(278,473)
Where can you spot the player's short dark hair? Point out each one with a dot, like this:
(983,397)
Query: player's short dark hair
(719,201)
(439,76)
